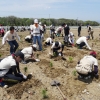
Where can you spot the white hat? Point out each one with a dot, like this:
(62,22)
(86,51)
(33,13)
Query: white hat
(35,20)
(34,45)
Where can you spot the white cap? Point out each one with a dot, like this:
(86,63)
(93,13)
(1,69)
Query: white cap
(35,20)
(34,45)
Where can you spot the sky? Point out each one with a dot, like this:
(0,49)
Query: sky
(69,9)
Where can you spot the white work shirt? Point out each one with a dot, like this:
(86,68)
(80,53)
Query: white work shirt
(28,37)
(53,45)
(10,37)
(91,59)
(83,39)
(27,50)
(6,64)
(49,40)
(36,30)
(71,37)
(58,29)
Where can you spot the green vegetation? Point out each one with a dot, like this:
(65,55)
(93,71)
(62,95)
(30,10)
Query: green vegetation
(16,21)
(0,55)
(25,69)
(37,55)
(74,72)
(51,64)
(54,54)
(44,94)
(70,59)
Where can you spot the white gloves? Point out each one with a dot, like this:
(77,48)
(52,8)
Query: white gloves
(24,76)
(37,60)
(59,54)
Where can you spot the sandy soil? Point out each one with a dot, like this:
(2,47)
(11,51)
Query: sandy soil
(55,68)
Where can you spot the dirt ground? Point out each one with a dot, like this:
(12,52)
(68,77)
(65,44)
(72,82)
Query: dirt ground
(55,68)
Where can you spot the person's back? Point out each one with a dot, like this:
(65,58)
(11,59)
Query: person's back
(81,39)
(86,64)
(27,50)
(4,67)
(48,39)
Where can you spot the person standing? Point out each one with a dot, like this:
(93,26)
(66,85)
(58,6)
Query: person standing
(2,32)
(79,30)
(66,31)
(90,31)
(10,38)
(36,33)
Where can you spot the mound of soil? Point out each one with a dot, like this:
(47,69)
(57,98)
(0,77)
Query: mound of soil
(54,72)
(18,89)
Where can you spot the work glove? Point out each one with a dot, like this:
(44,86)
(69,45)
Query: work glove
(59,54)
(50,53)
(24,76)
(37,60)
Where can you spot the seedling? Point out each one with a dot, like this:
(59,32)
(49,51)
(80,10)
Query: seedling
(51,64)
(0,55)
(70,59)
(37,55)
(54,54)
(25,69)
(43,49)
(74,72)
(44,93)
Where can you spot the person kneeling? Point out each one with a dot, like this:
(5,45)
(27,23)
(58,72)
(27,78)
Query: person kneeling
(10,65)
(49,41)
(87,67)
(57,48)
(28,53)
(28,39)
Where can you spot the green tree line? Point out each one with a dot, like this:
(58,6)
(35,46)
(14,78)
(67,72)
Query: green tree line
(15,21)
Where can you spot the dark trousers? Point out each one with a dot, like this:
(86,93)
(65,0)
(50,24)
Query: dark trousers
(10,75)
(47,43)
(13,46)
(81,45)
(79,33)
(55,50)
(83,75)
(66,39)
(28,40)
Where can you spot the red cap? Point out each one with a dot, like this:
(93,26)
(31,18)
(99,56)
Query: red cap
(93,53)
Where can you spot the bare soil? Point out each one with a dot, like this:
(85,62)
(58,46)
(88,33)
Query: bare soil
(55,68)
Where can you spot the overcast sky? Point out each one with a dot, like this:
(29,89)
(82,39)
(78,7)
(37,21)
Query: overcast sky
(69,9)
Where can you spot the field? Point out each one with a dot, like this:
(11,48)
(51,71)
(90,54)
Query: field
(56,68)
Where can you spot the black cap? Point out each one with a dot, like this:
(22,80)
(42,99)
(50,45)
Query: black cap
(20,54)
(56,43)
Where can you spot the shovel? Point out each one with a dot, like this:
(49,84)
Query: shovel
(56,83)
